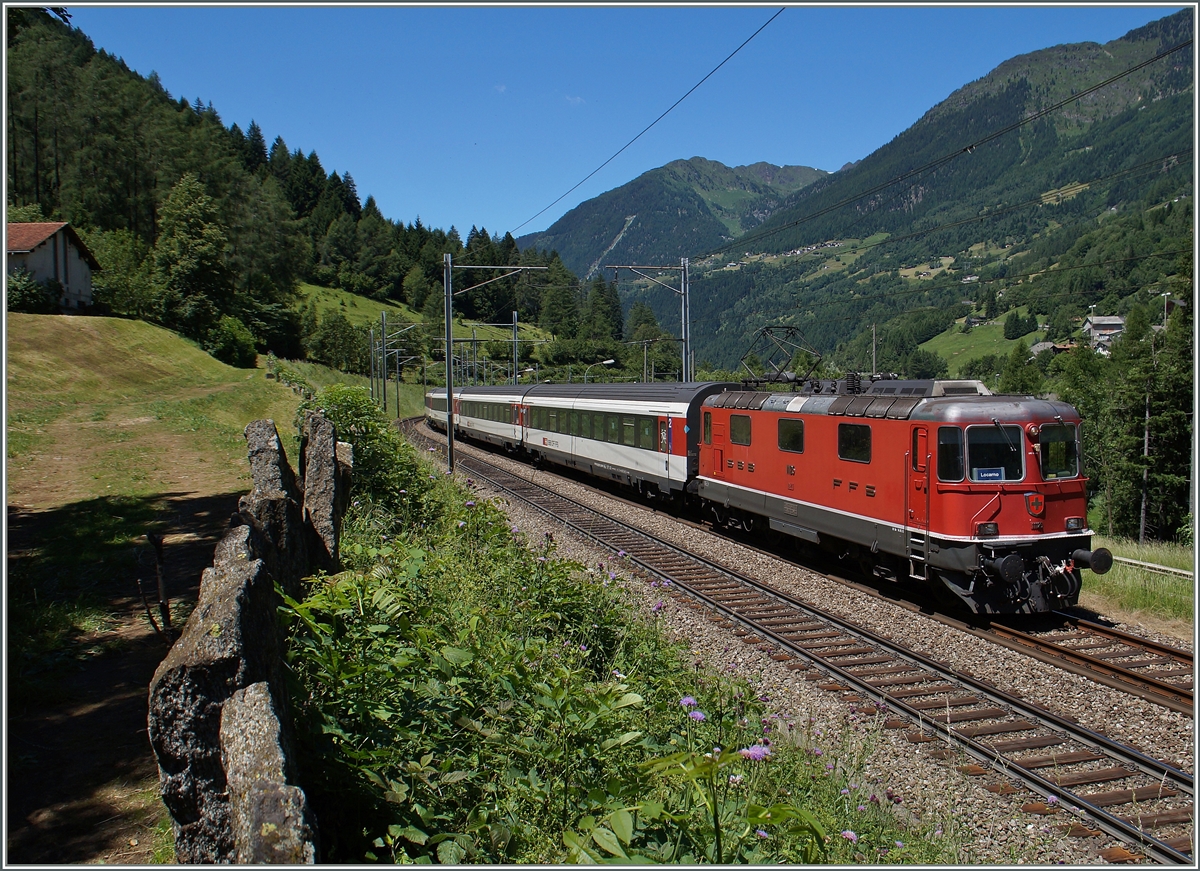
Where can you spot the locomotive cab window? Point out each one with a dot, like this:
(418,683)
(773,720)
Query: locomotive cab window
(739,429)
(708,427)
(1059,452)
(854,442)
(994,453)
(791,435)
(949,453)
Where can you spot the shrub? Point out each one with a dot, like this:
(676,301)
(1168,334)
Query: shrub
(230,342)
(385,465)
(26,295)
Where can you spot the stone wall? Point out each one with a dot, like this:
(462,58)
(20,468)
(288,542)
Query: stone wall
(219,722)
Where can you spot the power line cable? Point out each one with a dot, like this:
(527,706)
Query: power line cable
(934,164)
(652,123)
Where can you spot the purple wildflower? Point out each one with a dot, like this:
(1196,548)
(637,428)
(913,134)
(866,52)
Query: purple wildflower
(755,752)
(583,648)
(470,503)
(817,751)
(761,833)
(656,607)
(850,836)
(845,792)
(541,559)
(1052,800)
(461,524)
(687,702)
(900,845)
(620,553)
(861,808)
(698,716)
(515,530)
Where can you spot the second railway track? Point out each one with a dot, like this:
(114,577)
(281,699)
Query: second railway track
(1144,802)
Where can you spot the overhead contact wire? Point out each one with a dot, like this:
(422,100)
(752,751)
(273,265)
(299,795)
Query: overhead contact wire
(652,123)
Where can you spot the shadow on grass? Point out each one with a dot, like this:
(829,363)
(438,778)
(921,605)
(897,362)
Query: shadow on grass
(73,571)
(79,669)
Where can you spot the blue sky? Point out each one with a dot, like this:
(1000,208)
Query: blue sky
(484,116)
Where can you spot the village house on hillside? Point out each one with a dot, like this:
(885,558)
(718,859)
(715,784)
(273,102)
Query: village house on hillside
(53,251)
(1102,329)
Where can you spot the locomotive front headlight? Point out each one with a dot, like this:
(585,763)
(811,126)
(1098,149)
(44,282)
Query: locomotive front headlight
(983,529)
(1075,523)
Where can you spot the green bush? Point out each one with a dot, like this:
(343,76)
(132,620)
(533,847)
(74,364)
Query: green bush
(231,342)
(385,465)
(26,295)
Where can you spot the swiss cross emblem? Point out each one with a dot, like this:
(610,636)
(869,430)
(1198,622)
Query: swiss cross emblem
(1034,504)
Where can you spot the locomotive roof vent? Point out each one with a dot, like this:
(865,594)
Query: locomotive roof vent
(960,388)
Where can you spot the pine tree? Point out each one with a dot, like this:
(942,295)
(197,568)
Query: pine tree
(255,148)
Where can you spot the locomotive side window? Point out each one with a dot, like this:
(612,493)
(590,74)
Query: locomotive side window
(791,435)
(854,442)
(949,454)
(994,453)
(708,427)
(739,429)
(1059,451)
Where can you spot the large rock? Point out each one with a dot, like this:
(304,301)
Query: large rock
(270,819)
(274,508)
(325,489)
(229,642)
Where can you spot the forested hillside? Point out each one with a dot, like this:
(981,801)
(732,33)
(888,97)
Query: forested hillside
(207,229)
(673,211)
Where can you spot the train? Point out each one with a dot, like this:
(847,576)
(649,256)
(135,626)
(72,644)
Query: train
(977,496)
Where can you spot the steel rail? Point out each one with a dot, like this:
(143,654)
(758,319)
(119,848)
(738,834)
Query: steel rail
(1119,828)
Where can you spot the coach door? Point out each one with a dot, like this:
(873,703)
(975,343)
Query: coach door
(664,444)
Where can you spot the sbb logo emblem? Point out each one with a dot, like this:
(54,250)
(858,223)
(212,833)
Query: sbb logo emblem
(1035,504)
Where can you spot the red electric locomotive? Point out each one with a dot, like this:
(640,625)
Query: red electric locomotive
(938,481)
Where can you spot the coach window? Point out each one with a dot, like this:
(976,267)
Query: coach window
(708,427)
(628,431)
(994,453)
(574,423)
(646,433)
(585,424)
(949,453)
(791,435)
(739,429)
(612,428)
(854,442)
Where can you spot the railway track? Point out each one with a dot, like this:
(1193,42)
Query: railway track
(1146,803)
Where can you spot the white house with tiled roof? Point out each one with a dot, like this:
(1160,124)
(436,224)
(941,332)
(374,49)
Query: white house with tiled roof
(53,251)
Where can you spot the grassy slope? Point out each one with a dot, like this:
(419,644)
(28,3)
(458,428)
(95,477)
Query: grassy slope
(356,309)
(104,398)
(360,310)
(958,348)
